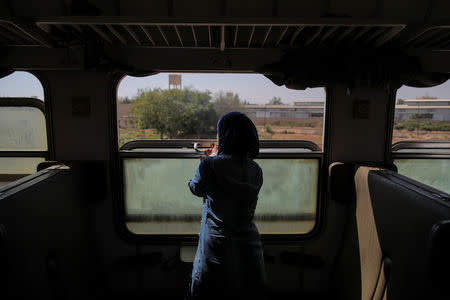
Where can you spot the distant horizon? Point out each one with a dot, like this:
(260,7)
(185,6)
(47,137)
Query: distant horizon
(253,88)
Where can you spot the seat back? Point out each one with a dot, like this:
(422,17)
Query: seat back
(373,279)
(395,218)
(44,243)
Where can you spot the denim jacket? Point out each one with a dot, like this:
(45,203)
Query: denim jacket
(229,254)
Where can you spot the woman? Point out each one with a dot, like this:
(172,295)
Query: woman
(229,260)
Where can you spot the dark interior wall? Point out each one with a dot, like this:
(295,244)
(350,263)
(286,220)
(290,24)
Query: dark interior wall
(359,122)
(80,103)
(44,238)
(123,265)
(81,128)
(206,8)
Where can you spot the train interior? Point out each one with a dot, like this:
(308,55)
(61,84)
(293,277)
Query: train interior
(106,107)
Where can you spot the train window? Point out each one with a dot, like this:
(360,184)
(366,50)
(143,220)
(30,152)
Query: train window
(422,114)
(165,120)
(187,106)
(23,135)
(421,136)
(283,207)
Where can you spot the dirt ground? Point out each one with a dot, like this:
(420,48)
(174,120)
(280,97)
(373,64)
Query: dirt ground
(406,135)
(289,132)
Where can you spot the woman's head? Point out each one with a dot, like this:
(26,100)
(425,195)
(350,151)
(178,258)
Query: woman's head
(237,135)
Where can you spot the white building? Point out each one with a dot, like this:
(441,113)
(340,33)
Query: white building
(432,109)
(302,109)
(424,108)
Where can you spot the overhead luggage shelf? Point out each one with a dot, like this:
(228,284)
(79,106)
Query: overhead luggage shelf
(223,35)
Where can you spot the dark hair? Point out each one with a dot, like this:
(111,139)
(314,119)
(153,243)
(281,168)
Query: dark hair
(237,135)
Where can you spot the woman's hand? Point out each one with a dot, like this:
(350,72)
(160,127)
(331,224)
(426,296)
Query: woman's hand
(215,149)
(210,151)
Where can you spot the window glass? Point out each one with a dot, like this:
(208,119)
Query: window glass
(22,125)
(19,165)
(22,129)
(21,84)
(287,201)
(187,106)
(422,113)
(433,172)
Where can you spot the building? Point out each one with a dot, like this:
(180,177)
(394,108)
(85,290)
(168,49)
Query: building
(423,108)
(302,109)
(125,117)
(309,108)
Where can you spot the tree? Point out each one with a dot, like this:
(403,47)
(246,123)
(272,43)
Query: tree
(227,102)
(400,101)
(124,100)
(275,101)
(175,112)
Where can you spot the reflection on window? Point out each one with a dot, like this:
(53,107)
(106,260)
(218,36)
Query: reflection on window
(19,165)
(433,172)
(187,106)
(22,129)
(287,201)
(422,114)
(22,126)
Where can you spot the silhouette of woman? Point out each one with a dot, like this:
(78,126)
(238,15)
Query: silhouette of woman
(229,260)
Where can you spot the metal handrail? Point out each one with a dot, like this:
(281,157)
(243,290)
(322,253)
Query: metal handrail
(204,143)
(420,145)
(23,101)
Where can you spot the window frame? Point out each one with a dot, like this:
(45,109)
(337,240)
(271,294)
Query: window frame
(424,149)
(25,102)
(116,165)
(127,151)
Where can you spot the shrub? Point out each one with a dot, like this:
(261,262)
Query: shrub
(269,129)
(428,125)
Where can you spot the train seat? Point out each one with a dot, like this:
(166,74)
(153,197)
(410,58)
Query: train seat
(397,219)
(372,260)
(43,239)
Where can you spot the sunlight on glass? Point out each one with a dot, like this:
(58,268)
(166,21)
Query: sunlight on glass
(19,165)
(432,172)
(287,200)
(22,129)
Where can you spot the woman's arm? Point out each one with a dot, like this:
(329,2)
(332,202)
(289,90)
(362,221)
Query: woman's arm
(197,185)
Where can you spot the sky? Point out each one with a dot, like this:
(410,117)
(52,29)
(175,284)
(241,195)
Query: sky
(254,88)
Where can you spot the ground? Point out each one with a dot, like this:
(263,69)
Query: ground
(310,129)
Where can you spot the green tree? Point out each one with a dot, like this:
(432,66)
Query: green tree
(175,112)
(199,115)
(124,100)
(226,102)
(275,101)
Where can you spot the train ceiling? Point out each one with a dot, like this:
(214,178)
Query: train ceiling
(418,27)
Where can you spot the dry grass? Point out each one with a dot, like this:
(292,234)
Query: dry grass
(406,135)
(306,130)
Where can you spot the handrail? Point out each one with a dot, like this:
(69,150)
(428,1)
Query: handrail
(23,153)
(23,101)
(420,145)
(203,143)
